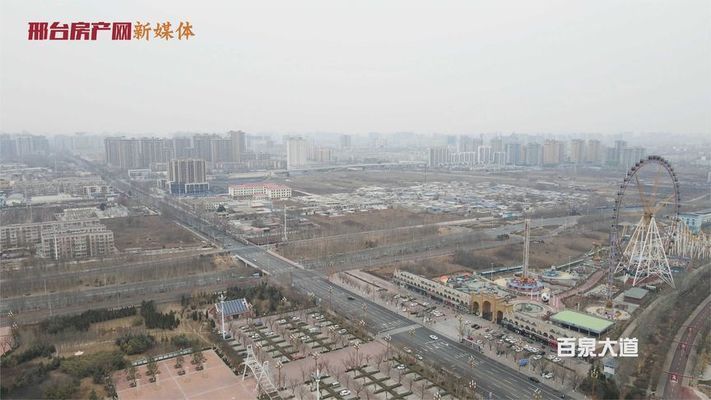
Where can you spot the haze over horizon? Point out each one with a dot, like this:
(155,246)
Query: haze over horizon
(453,67)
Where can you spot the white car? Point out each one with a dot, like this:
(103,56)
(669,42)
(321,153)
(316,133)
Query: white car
(401,367)
(433,337)
(419,357)
(547,375)
(281,321)
(345,392)
(336,384)
(537,357)
(295,318)
(342,331)
(556,359)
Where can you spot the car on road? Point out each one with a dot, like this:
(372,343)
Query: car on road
(419,357)
(351,298)
(476,326)
(533,379)
(344,392)
(434,337)
(407,350)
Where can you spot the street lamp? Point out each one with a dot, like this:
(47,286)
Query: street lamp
(317,379)
(279,366)
(330,297)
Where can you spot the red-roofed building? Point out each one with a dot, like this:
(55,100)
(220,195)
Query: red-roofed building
(260,191)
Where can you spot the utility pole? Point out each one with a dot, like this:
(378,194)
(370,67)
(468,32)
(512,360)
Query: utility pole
(285,237)
(222,314)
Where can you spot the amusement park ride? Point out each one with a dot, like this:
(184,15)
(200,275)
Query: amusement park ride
(644,255)
(525,283)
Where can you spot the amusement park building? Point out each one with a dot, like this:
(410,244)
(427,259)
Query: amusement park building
(583,323)
(491,306)
(694,220)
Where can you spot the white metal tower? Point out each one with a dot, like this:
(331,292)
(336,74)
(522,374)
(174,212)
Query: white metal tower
(222,315)
(645,255)
(526,240)
(261,373)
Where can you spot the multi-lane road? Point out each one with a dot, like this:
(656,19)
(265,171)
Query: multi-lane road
(674,387)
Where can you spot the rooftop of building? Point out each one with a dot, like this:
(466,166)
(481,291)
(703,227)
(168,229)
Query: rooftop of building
(260,185)
(697,213)
(582,321)
(234,307)
(636,293)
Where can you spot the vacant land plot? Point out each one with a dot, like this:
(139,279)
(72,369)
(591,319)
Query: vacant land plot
(149,232)
(377,219)
(429,268)
(552,251)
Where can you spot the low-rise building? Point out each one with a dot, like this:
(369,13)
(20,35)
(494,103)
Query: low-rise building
(483,300)
(694,220)
(60,239)
(260,191)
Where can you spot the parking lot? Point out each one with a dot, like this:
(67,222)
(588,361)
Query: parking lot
(291,337)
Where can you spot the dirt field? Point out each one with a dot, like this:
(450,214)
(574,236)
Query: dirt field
(321,247)
(149,232)
(215,381)
(554,251)
(428,268)
(377,219)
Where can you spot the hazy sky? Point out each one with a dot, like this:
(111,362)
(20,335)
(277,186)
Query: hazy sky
(467,66)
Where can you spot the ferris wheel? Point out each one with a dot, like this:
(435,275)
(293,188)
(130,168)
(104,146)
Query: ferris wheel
(645,221)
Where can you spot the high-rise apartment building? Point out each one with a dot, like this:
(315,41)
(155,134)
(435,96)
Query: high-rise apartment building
(439,157)
(183,147)
(593,152)
(346,141)
(137,153)
(497,145)
(577,151)
(123,153)
(620,146)
(534,153)
(466,144)
(187,176)
(632,155)
(239,145)
(297,151)
(553,152)
(513,153)
(17,146)
(484,154)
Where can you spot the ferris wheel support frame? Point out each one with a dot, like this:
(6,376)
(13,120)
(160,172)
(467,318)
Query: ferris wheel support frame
(646,252)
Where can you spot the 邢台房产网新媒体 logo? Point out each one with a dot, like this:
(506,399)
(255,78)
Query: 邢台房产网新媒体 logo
(141,31)
(587,347)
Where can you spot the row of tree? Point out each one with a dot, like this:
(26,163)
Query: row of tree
(135,344)
(82,321)
(156,319)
